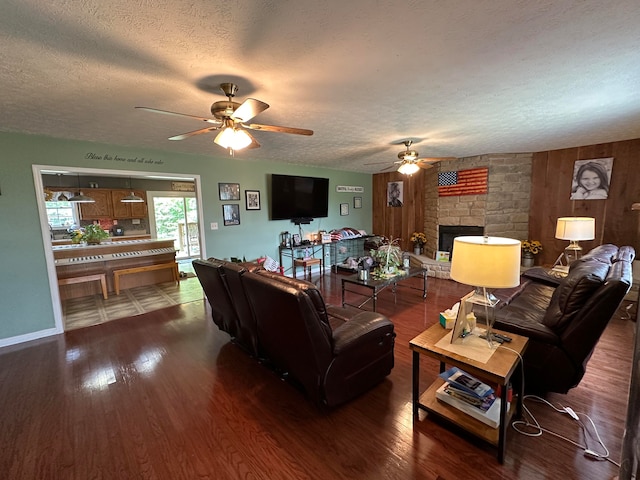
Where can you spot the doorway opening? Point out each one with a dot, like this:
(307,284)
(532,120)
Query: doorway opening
(174,215)
(39,171)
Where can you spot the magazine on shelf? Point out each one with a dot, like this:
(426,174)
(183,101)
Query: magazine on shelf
(467,383)
(491,417)
(482,404)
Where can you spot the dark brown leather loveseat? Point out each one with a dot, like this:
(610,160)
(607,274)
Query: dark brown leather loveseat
(564,317)
(333,353)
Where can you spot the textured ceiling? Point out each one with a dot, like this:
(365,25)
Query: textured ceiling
(460,78)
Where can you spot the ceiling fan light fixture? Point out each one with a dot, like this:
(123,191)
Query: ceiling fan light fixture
(408,168)
(233,138)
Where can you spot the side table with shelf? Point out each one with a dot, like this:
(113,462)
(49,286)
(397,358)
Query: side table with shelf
(497,371)
(293,254)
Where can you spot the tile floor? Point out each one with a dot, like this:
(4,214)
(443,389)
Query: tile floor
(93,310)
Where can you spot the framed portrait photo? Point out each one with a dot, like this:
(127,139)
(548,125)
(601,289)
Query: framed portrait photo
(344,209)
(229,191)
(231,214)
(357,202)
(252,199)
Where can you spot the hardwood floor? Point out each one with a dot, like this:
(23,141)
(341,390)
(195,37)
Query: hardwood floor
(165,395)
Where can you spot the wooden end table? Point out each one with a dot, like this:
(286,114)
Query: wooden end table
(497,371)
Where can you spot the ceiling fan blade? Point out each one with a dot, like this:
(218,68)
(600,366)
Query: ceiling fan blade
(254,143)
(166,112)
(430,162)
(182,136)
(249,109)
(375,163)
(275,128)
(435,159)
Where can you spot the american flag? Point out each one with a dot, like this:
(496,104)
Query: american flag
(463,182)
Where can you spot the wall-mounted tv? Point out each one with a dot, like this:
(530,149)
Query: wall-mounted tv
(300,199)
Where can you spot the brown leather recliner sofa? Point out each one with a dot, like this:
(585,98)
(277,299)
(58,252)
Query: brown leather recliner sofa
(332,353)
(564,317)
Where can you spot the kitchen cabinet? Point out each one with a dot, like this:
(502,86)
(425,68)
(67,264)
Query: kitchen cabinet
(127,210)
(101,208)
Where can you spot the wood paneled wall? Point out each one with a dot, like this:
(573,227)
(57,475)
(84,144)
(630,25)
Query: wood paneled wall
(399,222)
(616,223)
(551,177)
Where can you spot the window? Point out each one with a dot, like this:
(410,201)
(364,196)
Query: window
(62,214)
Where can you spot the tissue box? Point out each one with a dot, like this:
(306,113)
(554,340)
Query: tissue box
(447,320)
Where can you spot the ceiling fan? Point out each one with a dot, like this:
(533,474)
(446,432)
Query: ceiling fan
(230,118)
(409,163)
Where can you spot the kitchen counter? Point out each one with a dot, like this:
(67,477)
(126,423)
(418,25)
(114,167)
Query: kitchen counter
(77,260)
(67,241)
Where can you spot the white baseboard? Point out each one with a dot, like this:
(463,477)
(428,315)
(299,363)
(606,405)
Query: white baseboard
(5,342)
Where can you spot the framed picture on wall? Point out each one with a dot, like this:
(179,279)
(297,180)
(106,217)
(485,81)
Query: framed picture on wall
(231,214)
(395,194)
(252,199)
(357,202)
(344,209)
(591,179)
(229,191)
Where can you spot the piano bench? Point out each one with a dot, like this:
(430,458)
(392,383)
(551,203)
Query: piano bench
(147,268)
(100,277)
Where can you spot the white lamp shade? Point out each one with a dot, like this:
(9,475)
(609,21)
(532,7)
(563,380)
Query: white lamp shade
(490,262)
(408,168)
(234,138)
(576,228)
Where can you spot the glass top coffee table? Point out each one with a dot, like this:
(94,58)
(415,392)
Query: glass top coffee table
(369,289)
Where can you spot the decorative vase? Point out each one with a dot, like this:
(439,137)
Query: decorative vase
(528,259)
(417,250)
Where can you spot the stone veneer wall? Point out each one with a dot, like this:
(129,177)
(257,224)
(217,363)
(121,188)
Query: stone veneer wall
(503,211)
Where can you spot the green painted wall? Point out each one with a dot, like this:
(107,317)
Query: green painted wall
(24,286)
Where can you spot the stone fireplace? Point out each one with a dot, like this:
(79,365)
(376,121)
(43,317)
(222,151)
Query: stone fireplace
(503,211)
(446,234)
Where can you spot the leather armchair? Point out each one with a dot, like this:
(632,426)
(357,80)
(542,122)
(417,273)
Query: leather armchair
(332,366)
(565,317)
(222,310)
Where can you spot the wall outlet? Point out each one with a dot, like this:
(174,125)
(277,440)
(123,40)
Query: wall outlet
(214,225)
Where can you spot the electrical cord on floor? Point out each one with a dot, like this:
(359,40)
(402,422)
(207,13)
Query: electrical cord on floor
(537,430)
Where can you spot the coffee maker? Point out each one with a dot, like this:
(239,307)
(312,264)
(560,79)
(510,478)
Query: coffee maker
(117,231)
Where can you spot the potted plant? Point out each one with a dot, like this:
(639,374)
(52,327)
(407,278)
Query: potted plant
(389,259)
(93,234)
(418,239)
(530,248)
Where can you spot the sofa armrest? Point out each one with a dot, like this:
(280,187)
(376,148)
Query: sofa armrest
(345,313)
(365,327)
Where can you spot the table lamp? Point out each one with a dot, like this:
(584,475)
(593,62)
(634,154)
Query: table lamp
(574,229)
(486,263)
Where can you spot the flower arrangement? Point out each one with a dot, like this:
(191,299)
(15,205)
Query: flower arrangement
(91,234)
(531,246)
(418,238)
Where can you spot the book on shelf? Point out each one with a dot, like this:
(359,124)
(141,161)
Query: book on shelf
(465,382)
(490,417)
(482,404)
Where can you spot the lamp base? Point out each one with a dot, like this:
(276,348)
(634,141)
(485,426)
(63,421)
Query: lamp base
(573,252)
(488,301)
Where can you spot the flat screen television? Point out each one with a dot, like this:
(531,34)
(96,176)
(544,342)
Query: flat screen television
(300,199)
